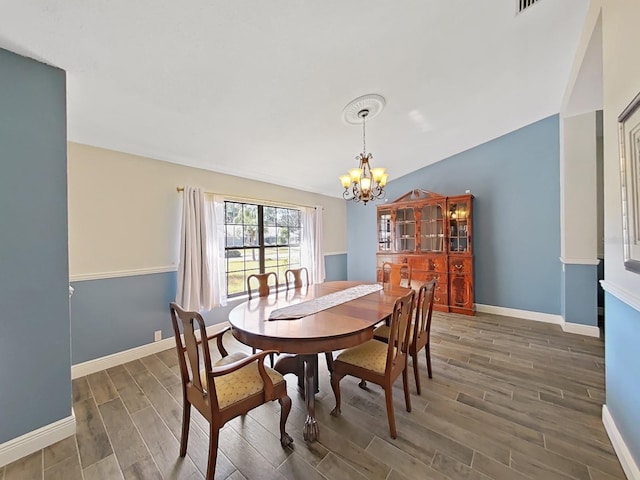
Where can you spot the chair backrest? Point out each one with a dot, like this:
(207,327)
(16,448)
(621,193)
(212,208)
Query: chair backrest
(263,283)
(395,273)
(424,308)
(399,329)
(293,277)
(193,351)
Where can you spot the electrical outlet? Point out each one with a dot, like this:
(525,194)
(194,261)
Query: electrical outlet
(157,335)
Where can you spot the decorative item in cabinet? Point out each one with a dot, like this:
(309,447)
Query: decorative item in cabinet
(433,233)
(459,223)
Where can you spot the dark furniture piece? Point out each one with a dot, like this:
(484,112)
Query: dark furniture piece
(434,234)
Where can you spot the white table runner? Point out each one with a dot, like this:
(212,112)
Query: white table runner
(293,312)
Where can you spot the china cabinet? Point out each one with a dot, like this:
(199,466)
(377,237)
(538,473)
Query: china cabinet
(433,233)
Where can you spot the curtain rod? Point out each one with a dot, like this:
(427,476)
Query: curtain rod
(256,200)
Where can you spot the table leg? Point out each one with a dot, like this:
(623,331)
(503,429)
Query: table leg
(306,367)
(310,432)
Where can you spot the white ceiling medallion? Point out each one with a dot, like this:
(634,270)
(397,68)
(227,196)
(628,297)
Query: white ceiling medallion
(372,102)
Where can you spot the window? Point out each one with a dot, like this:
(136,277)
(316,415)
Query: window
(259,239)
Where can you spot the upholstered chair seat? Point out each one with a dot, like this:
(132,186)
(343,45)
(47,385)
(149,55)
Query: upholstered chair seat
(371,355)
(241,384)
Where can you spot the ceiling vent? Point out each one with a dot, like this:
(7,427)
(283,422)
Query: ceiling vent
(522,5)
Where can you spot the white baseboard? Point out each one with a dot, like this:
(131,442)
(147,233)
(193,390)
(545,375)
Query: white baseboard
(631,469)
(102,363)
(37,439)
(587,330)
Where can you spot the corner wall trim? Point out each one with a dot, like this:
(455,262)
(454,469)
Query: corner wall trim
(35,440)
(108,361)
(631,469)
(621,294)
(588,330)
(580,261)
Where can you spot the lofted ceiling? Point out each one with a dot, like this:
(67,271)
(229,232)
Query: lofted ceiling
(256,88)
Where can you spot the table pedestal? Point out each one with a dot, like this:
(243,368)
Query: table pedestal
(306,368)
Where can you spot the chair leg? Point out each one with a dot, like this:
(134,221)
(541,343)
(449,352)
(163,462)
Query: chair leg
(329,357)
(285,408)
(405,384)
(335,386)
(186,419)
(272,359)
(214,432)
(414,361)
(388,396)
(427,351)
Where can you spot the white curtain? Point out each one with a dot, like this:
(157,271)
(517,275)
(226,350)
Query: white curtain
(199,267)
(312,243)
(214,216)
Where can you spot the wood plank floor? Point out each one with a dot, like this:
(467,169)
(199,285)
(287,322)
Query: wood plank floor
(509,399)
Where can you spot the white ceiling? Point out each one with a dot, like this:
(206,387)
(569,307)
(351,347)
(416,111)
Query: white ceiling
(256,88)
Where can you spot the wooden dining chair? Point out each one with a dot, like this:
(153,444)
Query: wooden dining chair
(378,362)
(231,387)
(420,330)
(294,279)
(264,289)
(395,273)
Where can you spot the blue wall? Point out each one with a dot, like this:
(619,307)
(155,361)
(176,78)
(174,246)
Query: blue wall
(623,364)
(35,363)
(580,294)
(516,183)
(115,314)
(335,267)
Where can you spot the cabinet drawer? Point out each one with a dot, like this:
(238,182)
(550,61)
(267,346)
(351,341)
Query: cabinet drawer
(434,263)
(461,265)
(440,293)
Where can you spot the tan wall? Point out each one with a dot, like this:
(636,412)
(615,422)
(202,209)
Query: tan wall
(124,210)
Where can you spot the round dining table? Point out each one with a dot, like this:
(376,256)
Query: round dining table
(338,327)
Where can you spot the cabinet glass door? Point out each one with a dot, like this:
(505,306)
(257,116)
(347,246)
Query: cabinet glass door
(405,230)
(432,229)
(458,227)
(384,230)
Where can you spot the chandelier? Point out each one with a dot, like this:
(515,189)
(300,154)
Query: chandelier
(364,183)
